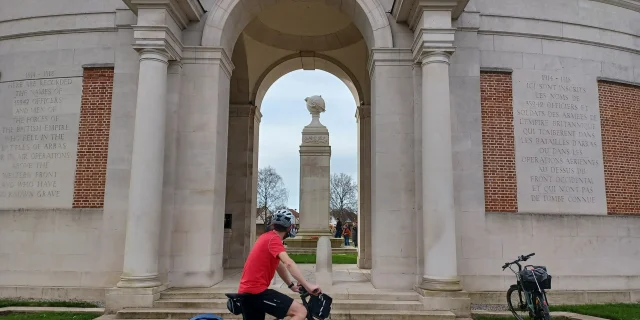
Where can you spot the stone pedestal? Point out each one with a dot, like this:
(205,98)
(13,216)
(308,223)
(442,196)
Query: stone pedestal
(315,156)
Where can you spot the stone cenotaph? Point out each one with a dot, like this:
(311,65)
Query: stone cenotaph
(315,157)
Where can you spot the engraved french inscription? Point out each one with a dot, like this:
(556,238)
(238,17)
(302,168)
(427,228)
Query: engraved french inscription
(559,165)
(39,118)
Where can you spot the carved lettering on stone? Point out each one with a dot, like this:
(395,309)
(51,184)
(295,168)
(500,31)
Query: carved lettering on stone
(315,140)
(559,166)
(39,119)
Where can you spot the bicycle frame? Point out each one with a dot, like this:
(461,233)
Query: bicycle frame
(527,294)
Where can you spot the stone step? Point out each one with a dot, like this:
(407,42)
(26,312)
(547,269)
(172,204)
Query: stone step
(337,304)
(185,314)
(220,294)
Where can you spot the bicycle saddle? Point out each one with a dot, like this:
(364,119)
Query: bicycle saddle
(235,295)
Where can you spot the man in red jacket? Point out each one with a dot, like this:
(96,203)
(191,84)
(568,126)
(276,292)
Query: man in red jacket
(268,256)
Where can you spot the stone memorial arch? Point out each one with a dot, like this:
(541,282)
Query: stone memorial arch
(223,79)
(129,130)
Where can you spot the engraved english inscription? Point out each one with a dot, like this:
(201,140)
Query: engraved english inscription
(39,118)
(558,143)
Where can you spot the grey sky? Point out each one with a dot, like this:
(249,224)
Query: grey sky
(284,114)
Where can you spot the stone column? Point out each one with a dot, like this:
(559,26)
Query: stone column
(440,266)
(140,268)
(363,116)
(315,156)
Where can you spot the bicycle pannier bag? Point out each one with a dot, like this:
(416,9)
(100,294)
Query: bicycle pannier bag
(320,306)
(234,306)
(541,276)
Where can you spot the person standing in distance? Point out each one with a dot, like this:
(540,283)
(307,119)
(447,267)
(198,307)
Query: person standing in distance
(268,256)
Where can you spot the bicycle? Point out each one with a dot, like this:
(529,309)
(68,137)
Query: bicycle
(532,282)
(234,304)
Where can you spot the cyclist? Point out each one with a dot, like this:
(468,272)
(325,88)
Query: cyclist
(268,256)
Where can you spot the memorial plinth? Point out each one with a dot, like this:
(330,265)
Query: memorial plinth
(315,157)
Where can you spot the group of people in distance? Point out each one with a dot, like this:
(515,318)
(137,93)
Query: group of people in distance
(345,231)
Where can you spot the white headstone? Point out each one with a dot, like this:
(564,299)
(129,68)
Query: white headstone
(39,118)
(558,145)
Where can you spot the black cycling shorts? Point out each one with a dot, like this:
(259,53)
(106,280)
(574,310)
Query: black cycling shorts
(270,302)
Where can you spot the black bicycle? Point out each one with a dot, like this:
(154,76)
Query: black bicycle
(318,309)
(532,281)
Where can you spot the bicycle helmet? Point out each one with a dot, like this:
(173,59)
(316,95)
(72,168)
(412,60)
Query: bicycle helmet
(284,218)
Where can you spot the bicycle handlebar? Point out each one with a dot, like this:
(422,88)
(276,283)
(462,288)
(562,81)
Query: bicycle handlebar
(520,258)
(303,292)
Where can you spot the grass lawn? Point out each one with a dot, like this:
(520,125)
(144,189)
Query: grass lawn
(38,303)
(49,316)
(347,258)
(617,311)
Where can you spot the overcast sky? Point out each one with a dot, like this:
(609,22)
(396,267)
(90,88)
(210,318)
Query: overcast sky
(284,115)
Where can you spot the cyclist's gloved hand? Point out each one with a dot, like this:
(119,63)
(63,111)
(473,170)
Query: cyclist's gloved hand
(295,288)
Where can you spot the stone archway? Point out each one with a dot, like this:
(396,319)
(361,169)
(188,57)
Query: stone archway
(242,155)
(229,18)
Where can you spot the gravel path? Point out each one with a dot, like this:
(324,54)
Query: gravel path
(489,307)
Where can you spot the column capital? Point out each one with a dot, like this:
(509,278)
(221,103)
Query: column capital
(437,56)
(158,38)
(155,54)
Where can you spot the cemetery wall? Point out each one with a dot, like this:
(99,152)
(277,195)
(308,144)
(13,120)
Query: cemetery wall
(559,84)
(68,77)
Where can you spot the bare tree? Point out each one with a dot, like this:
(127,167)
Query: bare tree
(272,194)
(344,193)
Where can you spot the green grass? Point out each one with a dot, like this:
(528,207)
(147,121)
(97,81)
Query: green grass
(347,258)
(617,311)
(49,316)
(38,303)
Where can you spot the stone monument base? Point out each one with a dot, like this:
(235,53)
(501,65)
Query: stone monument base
(117,299)
(311,242)
(457,302)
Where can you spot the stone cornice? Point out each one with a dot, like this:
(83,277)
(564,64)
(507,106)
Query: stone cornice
(157,37)
(627,4)
(208,55)
(181,11)
(388,57)
(408,10)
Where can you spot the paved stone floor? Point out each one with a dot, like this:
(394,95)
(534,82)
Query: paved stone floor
(346,277)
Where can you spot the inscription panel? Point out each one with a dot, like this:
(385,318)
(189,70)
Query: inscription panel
(39,119)
(558,143)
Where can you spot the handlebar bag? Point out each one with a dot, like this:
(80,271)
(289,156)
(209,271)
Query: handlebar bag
(206,317)
(320,306)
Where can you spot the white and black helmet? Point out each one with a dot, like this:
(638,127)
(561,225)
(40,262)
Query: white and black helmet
(283,217)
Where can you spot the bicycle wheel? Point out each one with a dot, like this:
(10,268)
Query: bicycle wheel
(542,307)
(514,300)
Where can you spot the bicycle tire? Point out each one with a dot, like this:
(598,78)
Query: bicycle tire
(510,292)
(542,307)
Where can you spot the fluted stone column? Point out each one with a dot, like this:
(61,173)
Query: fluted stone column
(440,265)
(140,268)
(363,117)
